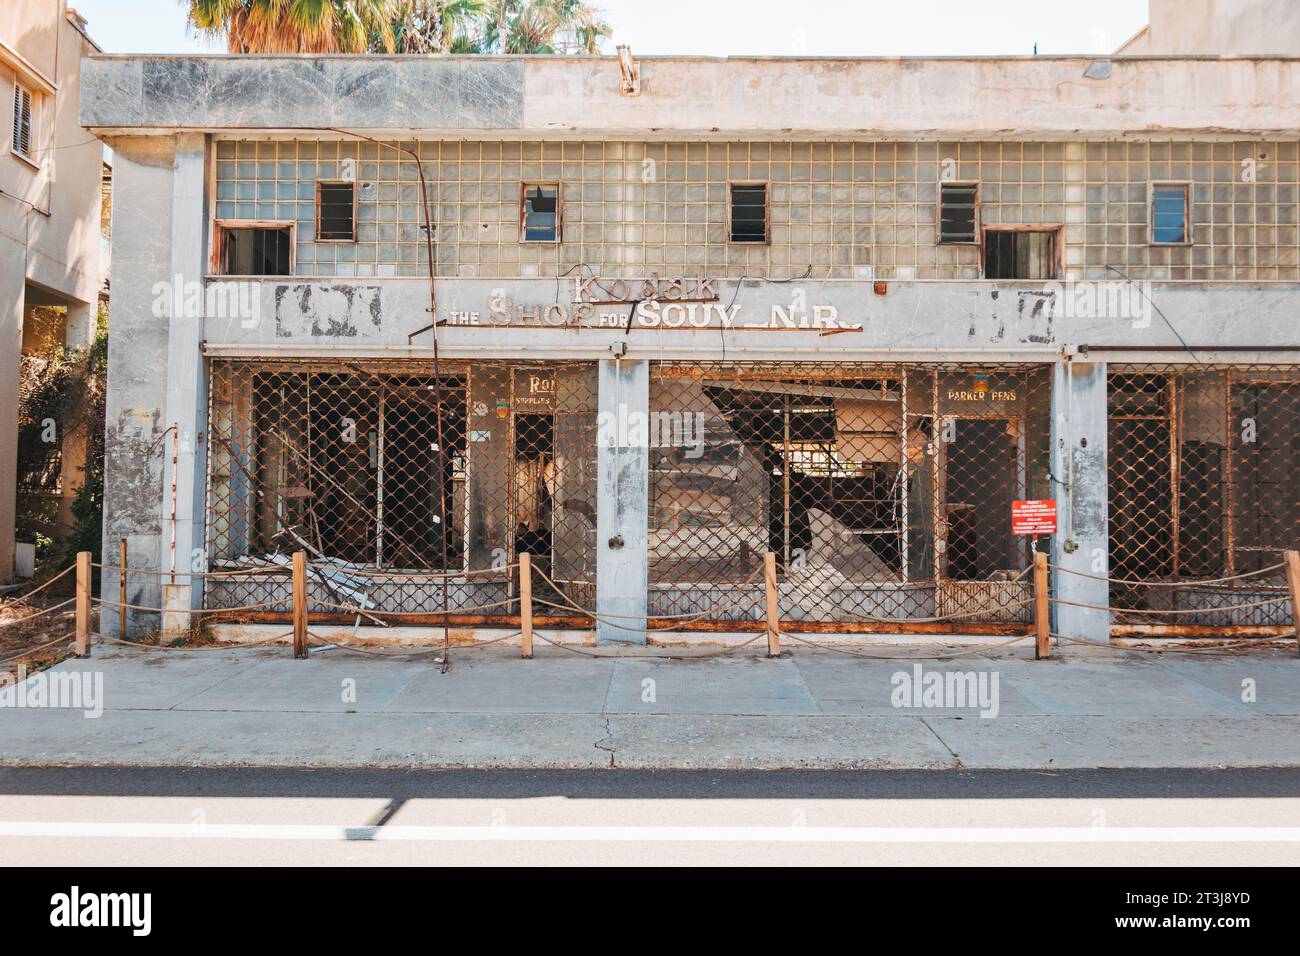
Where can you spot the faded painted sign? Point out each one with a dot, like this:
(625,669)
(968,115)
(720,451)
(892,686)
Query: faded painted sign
(313,309)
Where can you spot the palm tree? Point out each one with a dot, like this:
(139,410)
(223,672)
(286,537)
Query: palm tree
(296,26)
(436,26)
(403,26)
(542,26)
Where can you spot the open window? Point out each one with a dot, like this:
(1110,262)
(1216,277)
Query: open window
(24,130)
(244,248)
(959,212)
(539,212)
(1023,252)
(1171,214)
(336,211)
(749,213)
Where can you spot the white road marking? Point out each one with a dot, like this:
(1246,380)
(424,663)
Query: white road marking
(648,834)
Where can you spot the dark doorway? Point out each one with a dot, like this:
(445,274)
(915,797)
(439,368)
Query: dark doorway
(534,476)
(980,484)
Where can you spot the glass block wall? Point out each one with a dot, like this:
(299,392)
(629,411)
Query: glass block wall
(838,210)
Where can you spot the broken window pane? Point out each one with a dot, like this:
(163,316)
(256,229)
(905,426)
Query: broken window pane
(541,213)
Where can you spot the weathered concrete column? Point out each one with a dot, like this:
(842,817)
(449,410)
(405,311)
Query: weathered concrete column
(622,482)
(1080,467)
(11,340)
(184,450)
(143,169)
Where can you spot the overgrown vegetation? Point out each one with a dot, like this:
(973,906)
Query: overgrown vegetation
(60,407)
(402,26)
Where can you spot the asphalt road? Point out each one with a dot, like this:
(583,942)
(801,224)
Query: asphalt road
(206,816)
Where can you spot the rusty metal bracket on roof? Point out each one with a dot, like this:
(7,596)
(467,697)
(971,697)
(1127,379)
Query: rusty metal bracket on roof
(629,72)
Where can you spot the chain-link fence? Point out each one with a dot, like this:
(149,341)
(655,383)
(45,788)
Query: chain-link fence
(884,491)
(394,500)
(1203,466)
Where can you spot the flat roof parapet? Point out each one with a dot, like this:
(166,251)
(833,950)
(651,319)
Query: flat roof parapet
(699,97)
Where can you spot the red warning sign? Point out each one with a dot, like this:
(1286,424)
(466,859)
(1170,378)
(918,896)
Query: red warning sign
(1033,517)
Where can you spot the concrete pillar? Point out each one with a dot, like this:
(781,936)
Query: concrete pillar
(1080,468)
(80,326)
(12,295)
(622,501)
(184,450)
(176,616)
(143,169)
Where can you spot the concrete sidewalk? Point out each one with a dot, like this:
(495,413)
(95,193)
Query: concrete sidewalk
(815,709)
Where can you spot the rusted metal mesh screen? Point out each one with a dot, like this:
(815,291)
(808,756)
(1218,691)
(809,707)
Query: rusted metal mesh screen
(884,491)
(354,463)
(1203,486)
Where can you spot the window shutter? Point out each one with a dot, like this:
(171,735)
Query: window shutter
(22,121)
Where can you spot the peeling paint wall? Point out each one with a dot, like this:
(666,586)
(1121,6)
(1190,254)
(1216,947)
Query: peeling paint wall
(136,440)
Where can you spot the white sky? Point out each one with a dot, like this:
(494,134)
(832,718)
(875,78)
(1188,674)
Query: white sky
(763,27)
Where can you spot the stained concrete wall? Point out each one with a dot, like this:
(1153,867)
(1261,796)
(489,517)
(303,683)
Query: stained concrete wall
(572,96)
(932,321)
(49,213)
(136,441)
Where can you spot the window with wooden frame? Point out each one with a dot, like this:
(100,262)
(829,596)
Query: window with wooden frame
(750,219)
(336,211)
(1023,252)
(539,212)
(24,138)
(959,205)
(254,248)
(1171,214)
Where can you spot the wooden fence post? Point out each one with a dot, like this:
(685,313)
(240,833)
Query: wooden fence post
(83,604)
(300,604)
(121,591)
(526,603)
(1292,559)
(773,606)
(1042,609)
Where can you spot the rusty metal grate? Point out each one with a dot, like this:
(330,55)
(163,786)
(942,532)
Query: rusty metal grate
(342,460)
(1203,465)
(885,491)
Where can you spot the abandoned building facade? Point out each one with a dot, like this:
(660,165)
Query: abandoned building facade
(651,321)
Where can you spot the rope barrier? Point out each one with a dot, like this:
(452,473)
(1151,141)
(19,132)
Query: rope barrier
(909,657)
(411,576)
(196,647)
(955,616)
(608,619)
(1226,644)
(703,653)
(1194,610)
(238,573)
(32,650)
(1168,584)
(27,595)
(352,609)
(473,645)
(49,610)
(198,610)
